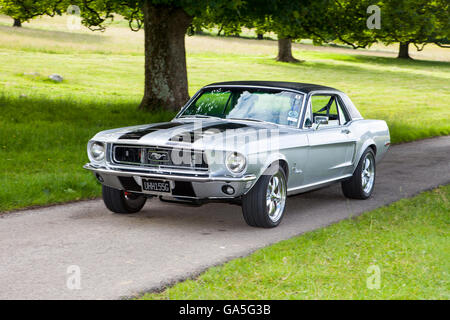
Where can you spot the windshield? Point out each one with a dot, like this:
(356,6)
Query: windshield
(275,106)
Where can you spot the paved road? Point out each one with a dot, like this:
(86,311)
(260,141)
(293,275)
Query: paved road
(119,256)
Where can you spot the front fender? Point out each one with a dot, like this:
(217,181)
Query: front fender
(274,157)
(263,163)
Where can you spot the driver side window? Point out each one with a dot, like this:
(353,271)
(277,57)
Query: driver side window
(324,108)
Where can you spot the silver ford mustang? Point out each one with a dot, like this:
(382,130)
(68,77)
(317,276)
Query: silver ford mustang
(251,143)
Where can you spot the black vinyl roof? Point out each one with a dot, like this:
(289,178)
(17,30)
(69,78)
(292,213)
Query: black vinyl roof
(303,87)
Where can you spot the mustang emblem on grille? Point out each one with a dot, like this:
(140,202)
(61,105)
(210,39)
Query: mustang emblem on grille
(158,156)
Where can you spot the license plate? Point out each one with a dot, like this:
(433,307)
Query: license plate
(156,185)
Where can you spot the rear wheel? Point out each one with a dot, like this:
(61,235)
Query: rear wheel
(361,184)
(263,206)
(119,201)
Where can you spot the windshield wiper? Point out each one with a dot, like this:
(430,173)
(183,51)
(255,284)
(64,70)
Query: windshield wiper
(248,119)
(198,116)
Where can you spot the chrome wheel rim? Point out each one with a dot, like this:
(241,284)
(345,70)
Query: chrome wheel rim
(368,174)
(276,196)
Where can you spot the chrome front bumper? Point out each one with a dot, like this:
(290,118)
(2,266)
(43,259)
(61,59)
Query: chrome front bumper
(204,185)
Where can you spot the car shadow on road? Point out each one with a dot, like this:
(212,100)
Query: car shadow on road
(223,216)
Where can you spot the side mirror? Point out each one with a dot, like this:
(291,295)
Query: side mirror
(318,120)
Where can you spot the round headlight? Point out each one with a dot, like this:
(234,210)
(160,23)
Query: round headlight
(97,151)
(235,162)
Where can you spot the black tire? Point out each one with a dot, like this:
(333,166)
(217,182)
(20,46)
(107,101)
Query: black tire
(116,201)
(354,187)
(254,203)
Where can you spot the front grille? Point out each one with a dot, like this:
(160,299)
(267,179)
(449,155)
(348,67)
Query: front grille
(162,157)
(127,155)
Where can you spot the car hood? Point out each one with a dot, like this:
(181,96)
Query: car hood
(197,134)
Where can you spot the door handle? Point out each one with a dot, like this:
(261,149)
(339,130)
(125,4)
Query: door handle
(346,131)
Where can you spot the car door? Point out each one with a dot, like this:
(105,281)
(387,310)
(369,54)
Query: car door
(330,145)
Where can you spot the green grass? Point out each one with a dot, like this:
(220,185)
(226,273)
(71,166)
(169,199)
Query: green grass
(408,241)
(103,84)
(43,147)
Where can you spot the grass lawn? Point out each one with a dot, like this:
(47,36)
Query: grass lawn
(44,126)
(407,241)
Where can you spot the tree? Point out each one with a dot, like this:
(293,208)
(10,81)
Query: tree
(26,10)
(165,60)
(263,16)
(295,20)
(285,50)
(289,19)
(271,22)
(405,22)
(416,22)
(165,24)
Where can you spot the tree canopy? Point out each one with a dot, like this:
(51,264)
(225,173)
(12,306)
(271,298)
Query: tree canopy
(418,22)
(166,22)
(26,10)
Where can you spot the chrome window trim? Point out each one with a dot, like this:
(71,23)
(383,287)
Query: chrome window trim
(252,86)
(322,92)
(188,104)
(344,108)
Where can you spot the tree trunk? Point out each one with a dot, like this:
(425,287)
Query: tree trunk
(260,36)
(166,85)
(285,50)
(17,23)
(403,51)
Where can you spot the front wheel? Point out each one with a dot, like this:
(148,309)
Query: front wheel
(119,201)
(360,185)
(263,206)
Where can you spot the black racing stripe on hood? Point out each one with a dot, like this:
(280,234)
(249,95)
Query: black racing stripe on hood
(168,125)
(136,135)
(225,126)
(192,136)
